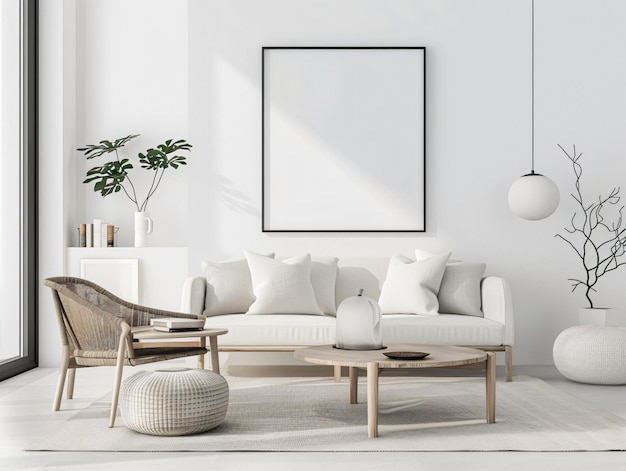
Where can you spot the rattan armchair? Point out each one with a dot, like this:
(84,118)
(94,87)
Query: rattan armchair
(95,327)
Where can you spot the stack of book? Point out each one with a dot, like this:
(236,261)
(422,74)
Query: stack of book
(96,234)
(176,324)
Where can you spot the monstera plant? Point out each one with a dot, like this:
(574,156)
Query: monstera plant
(113,176)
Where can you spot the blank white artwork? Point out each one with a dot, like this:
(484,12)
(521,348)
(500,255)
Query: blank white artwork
(343,140)
(120,276)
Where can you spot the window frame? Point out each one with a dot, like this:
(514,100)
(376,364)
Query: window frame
(29,195)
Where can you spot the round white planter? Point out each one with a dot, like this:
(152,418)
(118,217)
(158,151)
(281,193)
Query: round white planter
(592,354)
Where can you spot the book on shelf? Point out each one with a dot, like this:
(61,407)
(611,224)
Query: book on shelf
(103,234)
(176,324)
(88,235)
(97,232)
(110,235)
(82,235)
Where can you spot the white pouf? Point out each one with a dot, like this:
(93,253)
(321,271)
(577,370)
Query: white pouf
(592,354)
(177,401)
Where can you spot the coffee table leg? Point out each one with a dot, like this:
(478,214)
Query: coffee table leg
(490,379)
(201,357)
(215,360)
(354,384)
(372,400)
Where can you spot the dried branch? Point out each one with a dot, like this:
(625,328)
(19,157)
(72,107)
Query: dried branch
(598,242)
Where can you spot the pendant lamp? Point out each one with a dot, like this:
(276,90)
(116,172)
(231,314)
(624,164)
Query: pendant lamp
(533,196)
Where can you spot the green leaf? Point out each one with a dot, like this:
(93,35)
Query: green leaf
(109,177)
(92,151)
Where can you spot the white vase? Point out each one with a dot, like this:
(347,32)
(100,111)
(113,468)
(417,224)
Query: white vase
(143,227)
(599,316)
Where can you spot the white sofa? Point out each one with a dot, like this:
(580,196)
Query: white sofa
(487,325)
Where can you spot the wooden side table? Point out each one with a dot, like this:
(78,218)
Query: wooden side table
(146,337)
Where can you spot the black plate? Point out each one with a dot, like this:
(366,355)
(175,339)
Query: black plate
(406,355)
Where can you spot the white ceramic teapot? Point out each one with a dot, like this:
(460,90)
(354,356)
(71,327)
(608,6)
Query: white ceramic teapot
(359,324)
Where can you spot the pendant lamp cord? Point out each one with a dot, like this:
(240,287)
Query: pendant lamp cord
(532,88)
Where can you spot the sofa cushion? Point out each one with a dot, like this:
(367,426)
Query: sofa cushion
(323,279)
(356,273)
(411,287)
(274,329)
(459,292)
(298,330)
(444,329)
(229,287)
(281,286)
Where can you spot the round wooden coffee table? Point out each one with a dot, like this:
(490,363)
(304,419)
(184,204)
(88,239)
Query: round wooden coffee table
(439,356)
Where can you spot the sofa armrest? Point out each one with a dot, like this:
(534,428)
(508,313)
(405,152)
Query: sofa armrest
(497,304)
(193,296)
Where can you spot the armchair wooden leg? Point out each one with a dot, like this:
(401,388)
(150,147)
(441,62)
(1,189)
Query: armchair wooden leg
(71,377)
(119,369)
(65,361)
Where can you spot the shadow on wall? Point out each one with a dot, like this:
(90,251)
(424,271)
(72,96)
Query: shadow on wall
(234,198)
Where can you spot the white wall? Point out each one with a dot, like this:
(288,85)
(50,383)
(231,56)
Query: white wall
(132,79)
(107,69)
(57,124)
(478,126)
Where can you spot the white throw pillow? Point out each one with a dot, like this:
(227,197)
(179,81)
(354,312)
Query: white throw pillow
(282,286)
(324,279)
(411,287)
(229,287)
(460,289)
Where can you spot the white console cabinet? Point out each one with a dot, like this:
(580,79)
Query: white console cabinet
(161,272)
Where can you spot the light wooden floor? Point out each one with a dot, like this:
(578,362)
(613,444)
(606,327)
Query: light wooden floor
(25,415)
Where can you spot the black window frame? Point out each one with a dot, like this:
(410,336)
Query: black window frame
(29,275)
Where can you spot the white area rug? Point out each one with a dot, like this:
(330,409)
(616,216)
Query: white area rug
(415,414)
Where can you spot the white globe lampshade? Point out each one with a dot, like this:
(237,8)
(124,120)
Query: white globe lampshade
(533,196)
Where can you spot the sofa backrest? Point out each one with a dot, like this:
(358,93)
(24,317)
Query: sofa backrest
(460,291)
(354,273)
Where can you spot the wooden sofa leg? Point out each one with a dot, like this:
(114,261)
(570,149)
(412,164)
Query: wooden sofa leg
(508,363)
(337,373)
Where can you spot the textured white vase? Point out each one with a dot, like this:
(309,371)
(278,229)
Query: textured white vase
(599,316)
(143,227)
(359,324)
